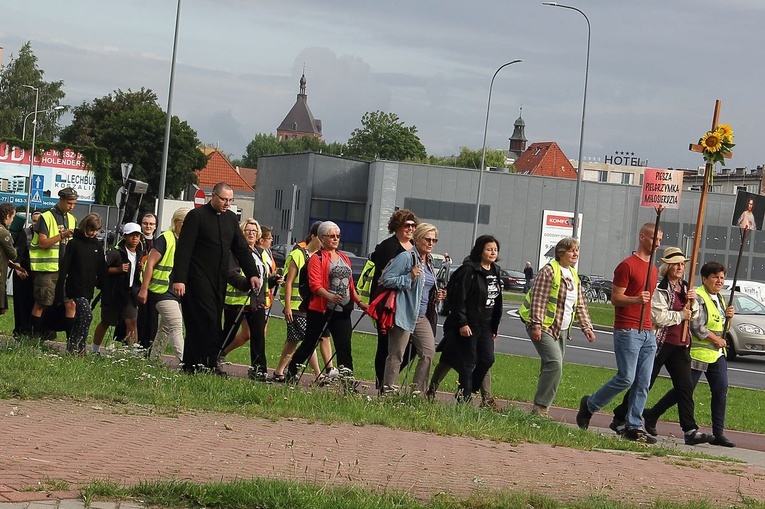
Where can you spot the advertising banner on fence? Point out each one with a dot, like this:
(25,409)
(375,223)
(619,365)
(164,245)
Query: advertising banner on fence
(51,171)
(556,225)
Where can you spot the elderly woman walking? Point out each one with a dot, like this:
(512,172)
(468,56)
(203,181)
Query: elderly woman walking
(550,308)
(412,275)
(333,297)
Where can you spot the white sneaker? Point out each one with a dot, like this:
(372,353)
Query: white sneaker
(333,373)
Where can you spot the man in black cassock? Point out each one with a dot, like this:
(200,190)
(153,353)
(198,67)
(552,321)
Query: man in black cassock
(209,236)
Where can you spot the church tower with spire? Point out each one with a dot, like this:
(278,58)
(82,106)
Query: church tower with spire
(299,121)
(518,139)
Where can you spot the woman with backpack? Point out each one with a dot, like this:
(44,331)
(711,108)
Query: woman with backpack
(412,275)
(401,224)
(333,296)
(474,299)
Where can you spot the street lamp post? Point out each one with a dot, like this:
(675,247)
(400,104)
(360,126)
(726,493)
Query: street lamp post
(579,168)
(166,145)
(47,110)
(32,154)
(483,150)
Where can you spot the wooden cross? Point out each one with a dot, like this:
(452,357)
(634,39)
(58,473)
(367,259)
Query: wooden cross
(703,200)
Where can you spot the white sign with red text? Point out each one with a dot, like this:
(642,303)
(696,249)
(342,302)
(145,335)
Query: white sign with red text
(556,225)
(51,171)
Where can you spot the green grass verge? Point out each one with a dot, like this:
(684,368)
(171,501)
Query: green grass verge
(266,494)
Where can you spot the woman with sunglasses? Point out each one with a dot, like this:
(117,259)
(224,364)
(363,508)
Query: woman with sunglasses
(333,296)
(401,224)
(412,275)
(549,310)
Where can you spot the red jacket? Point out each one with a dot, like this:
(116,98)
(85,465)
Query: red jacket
(318,277)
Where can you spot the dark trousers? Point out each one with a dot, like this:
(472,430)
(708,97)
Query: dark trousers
(204,336)
(717,377)
(147,324)
(256,321)
(677,360)
(477,354)
(339,326)
(382,354)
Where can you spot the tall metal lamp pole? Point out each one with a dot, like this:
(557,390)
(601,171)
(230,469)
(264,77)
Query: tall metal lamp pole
(483,150)
(32,155)
(579,168)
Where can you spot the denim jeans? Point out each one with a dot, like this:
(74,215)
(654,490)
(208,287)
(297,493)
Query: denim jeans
(634,353)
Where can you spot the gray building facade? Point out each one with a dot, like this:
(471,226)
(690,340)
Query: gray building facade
(360,196)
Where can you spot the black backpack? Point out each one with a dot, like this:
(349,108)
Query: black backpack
(304,288)
(455,279)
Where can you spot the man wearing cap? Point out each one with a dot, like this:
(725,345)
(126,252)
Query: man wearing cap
(119,292)
(49,237)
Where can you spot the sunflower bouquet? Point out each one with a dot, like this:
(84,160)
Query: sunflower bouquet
(716,144)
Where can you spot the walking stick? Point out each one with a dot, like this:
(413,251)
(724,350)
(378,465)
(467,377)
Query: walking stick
(321,333)
(237,321)
(326,364)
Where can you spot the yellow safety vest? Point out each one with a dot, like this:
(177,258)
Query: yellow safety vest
(552,301)
(364,284)
(46,260)
(234,296)
(160,278)
(298,256)
(703,350)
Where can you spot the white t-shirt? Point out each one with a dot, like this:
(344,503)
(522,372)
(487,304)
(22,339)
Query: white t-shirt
(567,278)
(132,260)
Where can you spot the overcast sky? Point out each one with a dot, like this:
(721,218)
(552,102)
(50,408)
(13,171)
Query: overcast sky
(656,67)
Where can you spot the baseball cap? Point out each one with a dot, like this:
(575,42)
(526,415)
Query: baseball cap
(130,228)
(68,193)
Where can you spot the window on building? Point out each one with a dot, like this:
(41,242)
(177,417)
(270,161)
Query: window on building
(602,176)
(627,178)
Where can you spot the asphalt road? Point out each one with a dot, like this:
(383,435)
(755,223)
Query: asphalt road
(746,371)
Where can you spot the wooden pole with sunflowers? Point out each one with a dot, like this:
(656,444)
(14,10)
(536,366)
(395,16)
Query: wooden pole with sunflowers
(715,147)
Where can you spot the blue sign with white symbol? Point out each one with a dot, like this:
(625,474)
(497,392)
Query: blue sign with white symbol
(37,188)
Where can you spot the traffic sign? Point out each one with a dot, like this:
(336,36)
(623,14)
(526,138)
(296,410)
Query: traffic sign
(199,198)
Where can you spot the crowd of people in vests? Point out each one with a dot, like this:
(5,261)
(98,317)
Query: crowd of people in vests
(219,279)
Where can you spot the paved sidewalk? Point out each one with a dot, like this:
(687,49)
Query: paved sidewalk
(52,444)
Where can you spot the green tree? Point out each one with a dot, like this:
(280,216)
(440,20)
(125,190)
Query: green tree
(472,158)
(17,101)
(384,136)
(131,126)
(268,144)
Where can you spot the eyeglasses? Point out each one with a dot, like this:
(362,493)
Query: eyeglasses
(430,240)
(251,232)
(410,225)
(224,200)
(332,236)
(149,224)
(266,238)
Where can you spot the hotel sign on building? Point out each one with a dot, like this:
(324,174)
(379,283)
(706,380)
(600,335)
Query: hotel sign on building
(52,171)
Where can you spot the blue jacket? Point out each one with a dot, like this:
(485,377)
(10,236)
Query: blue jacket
(397,275)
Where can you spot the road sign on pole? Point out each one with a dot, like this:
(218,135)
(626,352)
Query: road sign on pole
(199,198)
(126,168)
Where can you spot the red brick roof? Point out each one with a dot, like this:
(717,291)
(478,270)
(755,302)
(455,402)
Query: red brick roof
(218,169)
(250,175)
(545,159)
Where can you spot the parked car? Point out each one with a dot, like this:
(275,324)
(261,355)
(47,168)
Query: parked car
(596,288)
(746,335)
(512,280)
